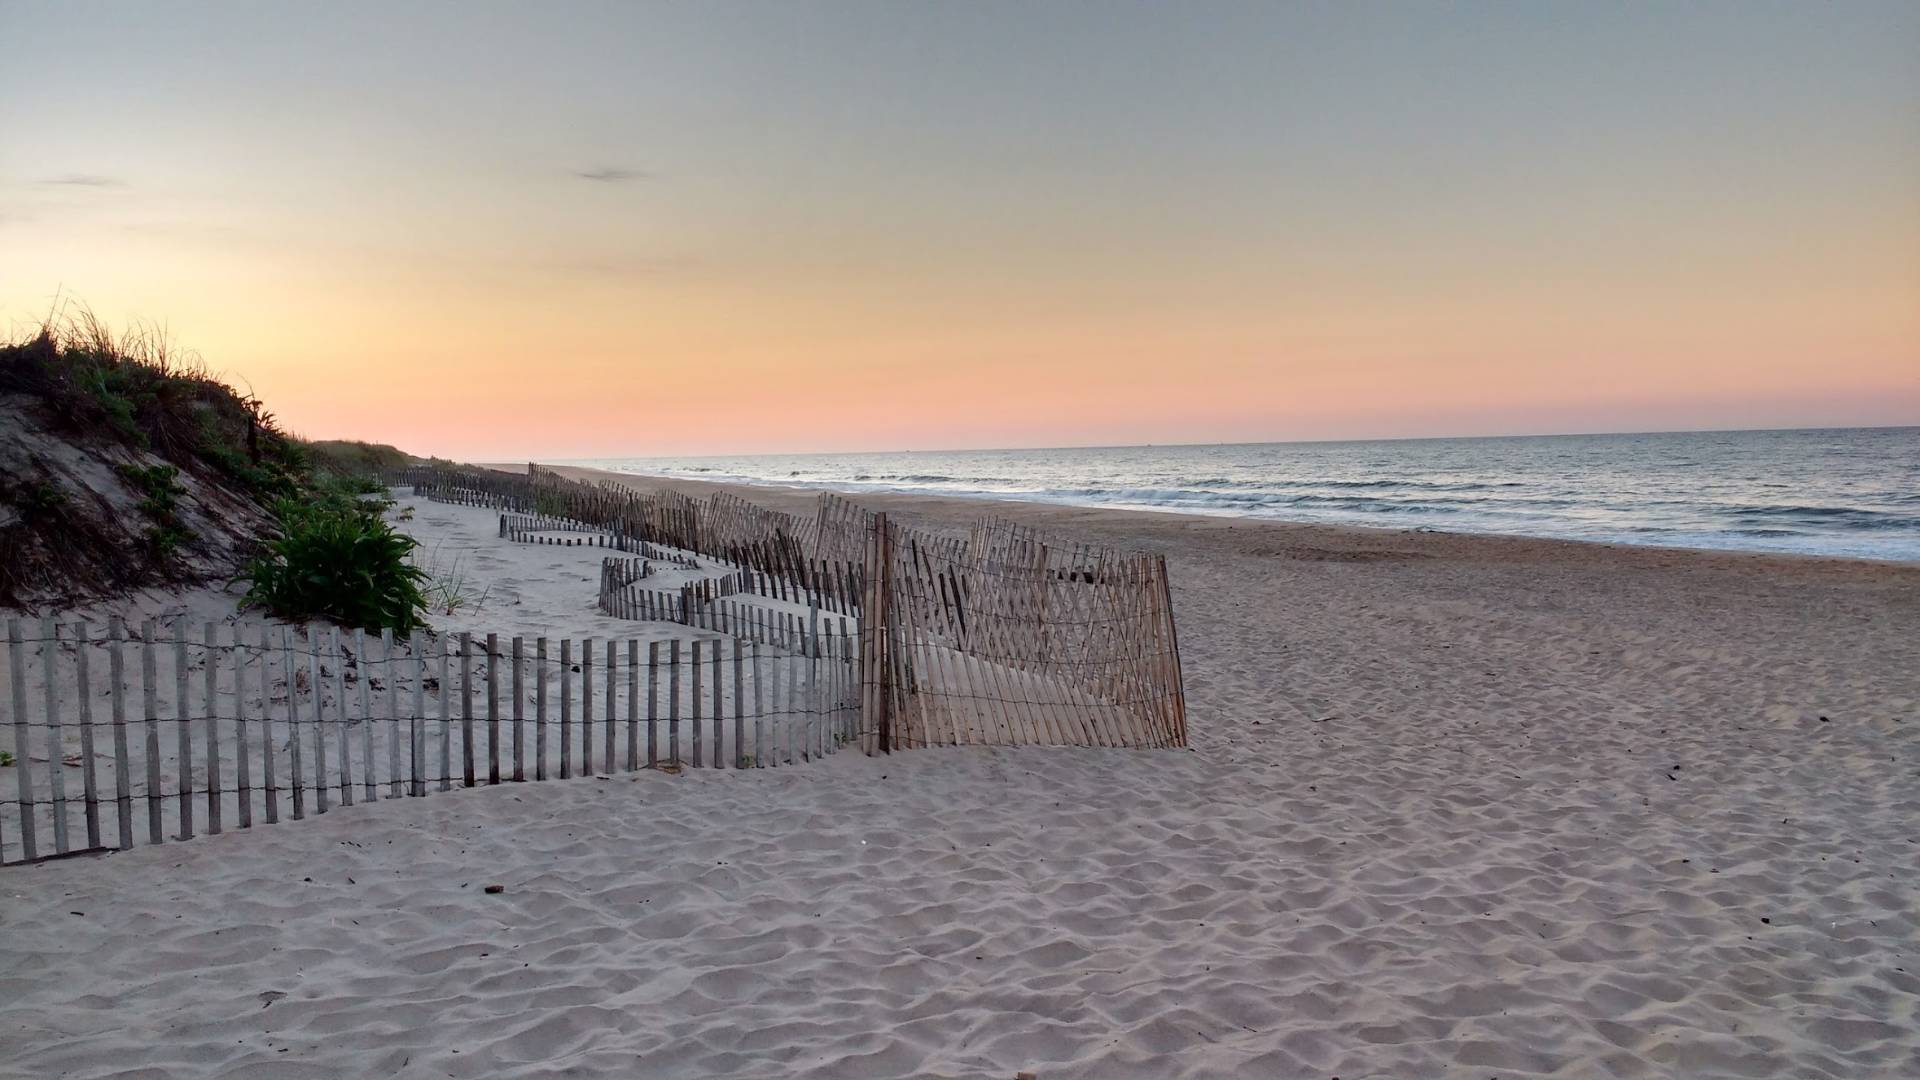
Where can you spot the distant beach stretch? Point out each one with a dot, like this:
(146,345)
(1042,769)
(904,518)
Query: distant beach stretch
(1852,492)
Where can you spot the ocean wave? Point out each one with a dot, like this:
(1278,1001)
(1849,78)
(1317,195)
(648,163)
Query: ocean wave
(1845,517)
(1252,502)
(1823,493)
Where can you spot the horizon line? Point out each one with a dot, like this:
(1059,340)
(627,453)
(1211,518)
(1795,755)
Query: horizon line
(1254,442)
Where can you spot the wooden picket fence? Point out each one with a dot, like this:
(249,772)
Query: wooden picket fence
(807,635)
(202,729)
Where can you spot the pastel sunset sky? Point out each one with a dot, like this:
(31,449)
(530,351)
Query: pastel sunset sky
(511,231)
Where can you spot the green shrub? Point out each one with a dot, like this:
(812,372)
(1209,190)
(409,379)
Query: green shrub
(106,388)
(337,561)
(159,486)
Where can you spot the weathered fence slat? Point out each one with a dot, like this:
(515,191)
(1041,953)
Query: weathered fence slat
(612,720)
(466,709)
(242,748)
(23,765)
(633,704)
(269,785)
(183,729)
(319,720)
(586,707)
(696,704)
(782,736)
(56,738)
(519,709)
(90,777)
(296,756)
(446,713)
(566,707)
(719,755)
(343,719)
(150,688)
(673,703)
(391,671)
(759,712)
(493,708)
(122,772)
(739,707)
(212,681)
(417,727)
(540,708)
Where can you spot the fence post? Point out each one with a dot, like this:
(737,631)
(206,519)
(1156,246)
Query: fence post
(876,628)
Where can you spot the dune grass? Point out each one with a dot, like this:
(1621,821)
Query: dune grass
(177,439)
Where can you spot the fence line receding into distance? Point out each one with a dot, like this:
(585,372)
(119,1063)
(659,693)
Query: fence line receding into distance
(814,631)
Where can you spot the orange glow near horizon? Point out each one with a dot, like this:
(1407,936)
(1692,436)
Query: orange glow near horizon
(1015,256)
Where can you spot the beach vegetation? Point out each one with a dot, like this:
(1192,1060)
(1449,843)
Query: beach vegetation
(122,443)
(337,558)
(353,458)
(448,589)
(158,487)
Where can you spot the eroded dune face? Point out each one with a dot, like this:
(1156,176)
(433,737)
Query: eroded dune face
(73,523)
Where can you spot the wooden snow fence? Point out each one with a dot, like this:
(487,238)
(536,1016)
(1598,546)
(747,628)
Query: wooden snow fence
(1008,637)
(1000,636)
(812,634)
(721,527)
(1003,636)
(122,736)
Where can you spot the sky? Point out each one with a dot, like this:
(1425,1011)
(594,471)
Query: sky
(586,230)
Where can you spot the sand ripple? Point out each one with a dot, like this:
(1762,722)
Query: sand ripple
(1457,822)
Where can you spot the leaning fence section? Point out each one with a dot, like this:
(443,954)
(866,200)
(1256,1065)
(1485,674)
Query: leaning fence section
(1007,637)
(122,735)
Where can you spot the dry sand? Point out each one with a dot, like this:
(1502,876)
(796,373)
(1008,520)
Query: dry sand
(1456,806)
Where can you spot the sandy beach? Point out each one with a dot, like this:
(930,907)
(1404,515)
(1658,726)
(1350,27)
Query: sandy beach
(1455,806)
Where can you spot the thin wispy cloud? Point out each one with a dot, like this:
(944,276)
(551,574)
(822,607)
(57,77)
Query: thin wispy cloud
(623,267)
(92,180)
(609,175)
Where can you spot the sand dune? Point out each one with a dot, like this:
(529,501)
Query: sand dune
(1456,807)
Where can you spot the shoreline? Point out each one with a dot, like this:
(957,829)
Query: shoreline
(1328,537)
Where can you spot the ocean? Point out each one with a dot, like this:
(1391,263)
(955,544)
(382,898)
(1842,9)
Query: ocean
(1843,491)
